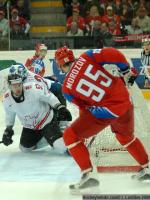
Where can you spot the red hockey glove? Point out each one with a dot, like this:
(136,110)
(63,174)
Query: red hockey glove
(131,76)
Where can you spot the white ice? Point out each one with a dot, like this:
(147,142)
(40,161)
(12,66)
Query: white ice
(45,175)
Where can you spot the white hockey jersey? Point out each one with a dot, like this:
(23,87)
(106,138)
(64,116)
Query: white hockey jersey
(36,109)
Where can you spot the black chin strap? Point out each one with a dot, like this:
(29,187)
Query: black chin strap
(18,99)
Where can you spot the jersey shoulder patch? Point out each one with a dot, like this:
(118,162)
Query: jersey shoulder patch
(38,86)
(28,87)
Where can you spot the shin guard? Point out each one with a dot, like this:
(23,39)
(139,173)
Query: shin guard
(135,147)
(77,149)
(137,150)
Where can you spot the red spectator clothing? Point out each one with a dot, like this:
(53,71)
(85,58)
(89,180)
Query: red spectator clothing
(115,31)
(107,19)
(89,19)
(80,22)
(19,21)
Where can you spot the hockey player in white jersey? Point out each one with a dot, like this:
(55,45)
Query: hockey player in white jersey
(53,85)
(34,105)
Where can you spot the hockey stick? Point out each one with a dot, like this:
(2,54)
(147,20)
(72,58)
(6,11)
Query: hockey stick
(91,142)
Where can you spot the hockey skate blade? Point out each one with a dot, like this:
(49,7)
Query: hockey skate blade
(142,181)
(92,190)
(145,180)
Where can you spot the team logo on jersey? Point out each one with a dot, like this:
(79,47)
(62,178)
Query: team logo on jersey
(39,87)
(28,87)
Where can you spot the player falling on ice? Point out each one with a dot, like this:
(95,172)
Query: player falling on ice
(96,83)
(34,105)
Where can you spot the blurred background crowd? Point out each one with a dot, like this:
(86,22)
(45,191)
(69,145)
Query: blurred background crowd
(76,23)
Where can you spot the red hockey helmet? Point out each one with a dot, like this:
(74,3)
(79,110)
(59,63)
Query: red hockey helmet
(64,55)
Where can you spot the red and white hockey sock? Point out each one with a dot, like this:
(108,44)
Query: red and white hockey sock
(137,150)
(78,150)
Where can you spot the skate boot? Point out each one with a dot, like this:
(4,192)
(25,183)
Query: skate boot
(88,181)
(41,144)
(143,175)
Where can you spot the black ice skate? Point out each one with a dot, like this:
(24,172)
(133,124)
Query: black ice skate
(142,175)
(87,182)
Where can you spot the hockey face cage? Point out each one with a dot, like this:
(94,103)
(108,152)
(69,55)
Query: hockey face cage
(17,71)
(14,79)
(64,56)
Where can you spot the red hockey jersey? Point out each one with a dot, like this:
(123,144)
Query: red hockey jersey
(36,65)
(94,82)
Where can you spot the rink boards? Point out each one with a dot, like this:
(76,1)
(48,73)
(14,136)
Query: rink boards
(133,56)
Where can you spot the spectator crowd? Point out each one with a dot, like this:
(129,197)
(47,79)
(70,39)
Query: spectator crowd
(14,17)
(107,18)
(101,19)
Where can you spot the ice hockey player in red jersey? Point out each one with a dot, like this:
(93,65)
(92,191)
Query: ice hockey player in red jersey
(36,64)
(97,83)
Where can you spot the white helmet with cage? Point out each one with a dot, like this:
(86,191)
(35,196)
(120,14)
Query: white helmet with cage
(17,73)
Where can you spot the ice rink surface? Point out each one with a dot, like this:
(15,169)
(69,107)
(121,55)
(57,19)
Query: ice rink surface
(45,175)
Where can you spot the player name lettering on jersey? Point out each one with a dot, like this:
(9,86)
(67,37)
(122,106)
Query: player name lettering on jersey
(74,72)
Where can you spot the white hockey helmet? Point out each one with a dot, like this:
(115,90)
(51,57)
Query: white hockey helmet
(17,73)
